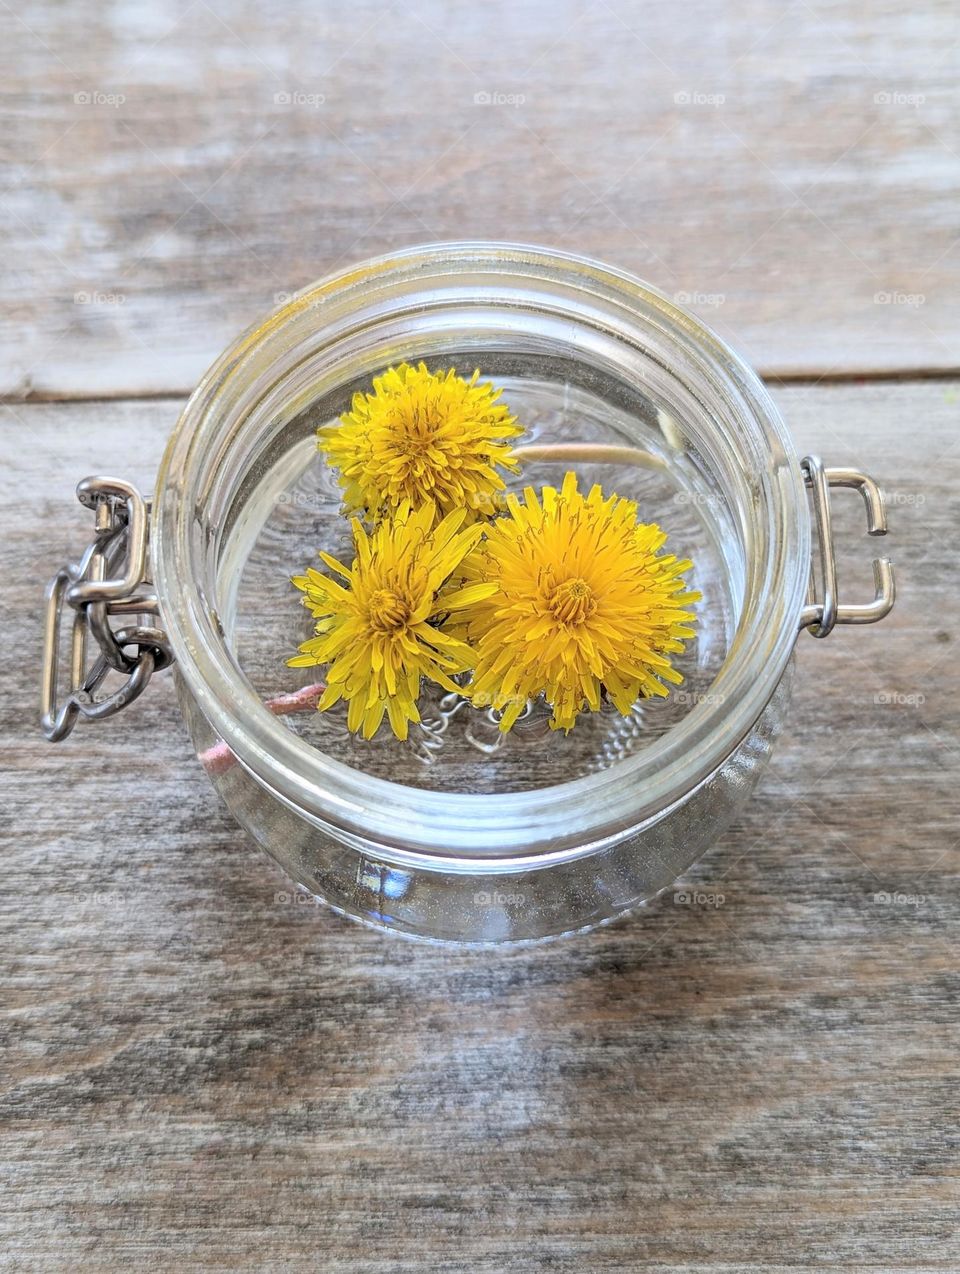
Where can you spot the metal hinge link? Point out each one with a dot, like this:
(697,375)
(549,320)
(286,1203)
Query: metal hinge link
(109,579)
(823,609)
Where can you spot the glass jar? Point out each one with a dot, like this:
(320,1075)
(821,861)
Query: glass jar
(459,835)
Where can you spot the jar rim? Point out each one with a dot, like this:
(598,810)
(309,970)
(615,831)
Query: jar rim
(456,829)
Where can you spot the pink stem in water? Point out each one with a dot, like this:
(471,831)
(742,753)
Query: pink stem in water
(219,758)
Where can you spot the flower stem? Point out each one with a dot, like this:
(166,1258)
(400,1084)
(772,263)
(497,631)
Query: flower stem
(590,453)
(219,758)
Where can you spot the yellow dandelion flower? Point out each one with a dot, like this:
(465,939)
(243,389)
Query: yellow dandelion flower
(585,603)
(379,631)
(422,436)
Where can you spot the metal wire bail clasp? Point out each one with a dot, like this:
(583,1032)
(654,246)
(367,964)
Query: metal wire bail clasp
(109,579)
(823,608)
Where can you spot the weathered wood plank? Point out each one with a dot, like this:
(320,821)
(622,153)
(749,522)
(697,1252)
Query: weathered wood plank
(792,171)
(201,1077)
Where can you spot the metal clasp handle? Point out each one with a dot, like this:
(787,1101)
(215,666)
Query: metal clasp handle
(824,609)
(109,579)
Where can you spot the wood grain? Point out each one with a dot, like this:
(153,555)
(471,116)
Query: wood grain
(198,1076)
(791,170)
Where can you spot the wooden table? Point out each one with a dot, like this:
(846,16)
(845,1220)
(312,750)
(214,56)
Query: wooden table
(199,1077)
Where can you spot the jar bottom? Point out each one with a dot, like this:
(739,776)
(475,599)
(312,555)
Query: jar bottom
(477,903)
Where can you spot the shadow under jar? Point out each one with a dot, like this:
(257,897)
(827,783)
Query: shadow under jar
(461,833)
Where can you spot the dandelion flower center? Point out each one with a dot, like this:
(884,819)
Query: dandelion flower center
(387,612)
(572,602)
(414,434)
